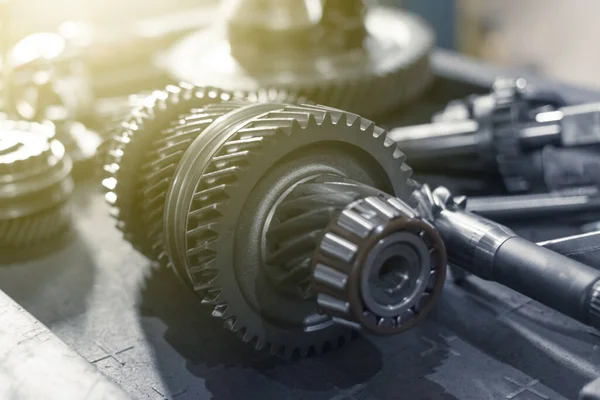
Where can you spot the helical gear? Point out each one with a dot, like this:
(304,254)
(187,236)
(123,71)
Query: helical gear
(127,148)
(297,227)
(154,124)
(224,187)
(379,266)
(35,186)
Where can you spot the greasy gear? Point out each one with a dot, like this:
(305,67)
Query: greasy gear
(297,225)
(218,206)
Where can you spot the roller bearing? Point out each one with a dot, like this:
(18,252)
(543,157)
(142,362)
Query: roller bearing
(379,266)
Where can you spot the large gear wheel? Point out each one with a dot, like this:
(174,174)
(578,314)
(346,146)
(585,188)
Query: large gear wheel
(231,186)
(368,60)
(35,186)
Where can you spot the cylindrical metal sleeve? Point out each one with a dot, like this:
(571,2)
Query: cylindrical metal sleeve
(472,241)
(550,278)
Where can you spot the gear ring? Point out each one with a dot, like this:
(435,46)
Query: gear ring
(379,266)
(389,70)
(35,185)
(220,175)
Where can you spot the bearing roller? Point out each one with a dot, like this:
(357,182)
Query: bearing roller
(368,60)
(35,185)
(379,266)
(235,195)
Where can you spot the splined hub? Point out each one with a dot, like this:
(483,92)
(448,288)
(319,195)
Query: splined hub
(367,60)
(379,266)
(35,185)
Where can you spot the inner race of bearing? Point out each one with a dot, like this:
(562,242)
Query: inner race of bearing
(395,274)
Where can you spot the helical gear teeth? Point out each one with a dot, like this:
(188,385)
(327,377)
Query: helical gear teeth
(217,187)
(147,134)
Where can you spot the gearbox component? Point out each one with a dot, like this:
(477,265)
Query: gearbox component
(492,251)
(379,266)
(498,132)
(35,185)
(140,155)
(340,53)
(234,196)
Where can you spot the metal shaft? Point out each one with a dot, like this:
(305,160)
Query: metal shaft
(493,252)
(558,204)
(430,145)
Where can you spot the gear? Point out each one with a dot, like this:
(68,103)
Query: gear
(154,127)
(129,145)
(296,227)
(379,266)
(35,185)
(369,64)
(230,183)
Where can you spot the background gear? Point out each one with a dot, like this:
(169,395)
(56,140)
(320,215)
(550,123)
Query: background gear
(35,185)
(370,64)
(227,189)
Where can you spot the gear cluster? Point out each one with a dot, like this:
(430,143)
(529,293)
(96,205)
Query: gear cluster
(35,185)
(234,195)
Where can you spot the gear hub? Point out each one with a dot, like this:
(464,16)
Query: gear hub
(35,185)
(368,60)
(236,195)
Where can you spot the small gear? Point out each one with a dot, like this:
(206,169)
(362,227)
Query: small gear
(379,266)
(368,60)
(233,180)
(35,185)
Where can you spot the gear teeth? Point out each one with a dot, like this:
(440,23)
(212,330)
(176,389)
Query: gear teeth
(302,220)
(398,78)
(143,152)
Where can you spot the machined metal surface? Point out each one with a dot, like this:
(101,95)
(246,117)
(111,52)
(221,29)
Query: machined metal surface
(372,76)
